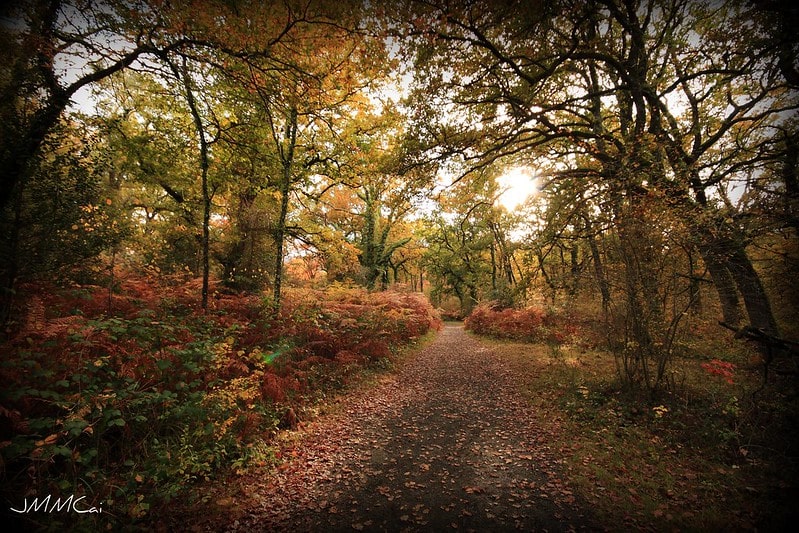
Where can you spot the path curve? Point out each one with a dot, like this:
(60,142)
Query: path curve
(445,444)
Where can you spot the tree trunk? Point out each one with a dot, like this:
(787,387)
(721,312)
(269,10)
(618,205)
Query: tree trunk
(493,267)
(206,229)
(599,268)
(10,266)
(574,270)
(370,247)
(695,291)
(287,158)
(789,178)
(724,284)
(724,252)
(757,304)
(548,280)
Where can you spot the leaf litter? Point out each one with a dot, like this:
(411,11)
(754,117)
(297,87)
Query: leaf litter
(446,443)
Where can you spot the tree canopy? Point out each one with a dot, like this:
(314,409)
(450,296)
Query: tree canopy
(226,140)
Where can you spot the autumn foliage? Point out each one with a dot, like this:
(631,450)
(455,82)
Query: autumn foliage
(723,369)
(529,324)
(131,397)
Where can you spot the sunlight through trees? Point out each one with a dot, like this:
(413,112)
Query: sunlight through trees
(633,163)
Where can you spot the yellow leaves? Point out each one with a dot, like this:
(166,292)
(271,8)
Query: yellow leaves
(140,508)
(221,349)
(238,394)
(51,439)
(221,428)
(660,410)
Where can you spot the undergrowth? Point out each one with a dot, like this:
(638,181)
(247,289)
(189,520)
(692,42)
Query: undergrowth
(529,324)
(716,450)
(124,402)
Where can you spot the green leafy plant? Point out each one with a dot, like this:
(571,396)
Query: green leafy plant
(133,409)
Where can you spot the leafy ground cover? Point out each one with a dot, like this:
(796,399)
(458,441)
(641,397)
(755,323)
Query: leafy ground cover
(715,450)
(443,443)
(128,399)
(170,418)
(496,435)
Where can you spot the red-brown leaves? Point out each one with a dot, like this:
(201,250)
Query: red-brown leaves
(272,387)
(724,369)
(529,324)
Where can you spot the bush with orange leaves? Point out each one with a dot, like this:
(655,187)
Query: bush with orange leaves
(529,324)
(321,336)
(142,392)
(326,322)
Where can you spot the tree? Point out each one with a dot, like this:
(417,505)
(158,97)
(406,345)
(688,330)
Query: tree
(461,244)
(386,197)
(182,74)
(652,93)
(305,89)
(57,49)
(42,41)
(147,135)
(66,215)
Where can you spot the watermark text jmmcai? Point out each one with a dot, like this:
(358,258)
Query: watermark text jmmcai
(66,505)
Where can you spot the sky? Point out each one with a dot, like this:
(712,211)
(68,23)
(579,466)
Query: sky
(517,185)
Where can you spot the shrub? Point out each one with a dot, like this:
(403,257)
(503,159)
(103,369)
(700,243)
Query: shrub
(529,324)
(136,404)
(131,409)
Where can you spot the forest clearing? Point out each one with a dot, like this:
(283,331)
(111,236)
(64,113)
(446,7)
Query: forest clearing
(407,266)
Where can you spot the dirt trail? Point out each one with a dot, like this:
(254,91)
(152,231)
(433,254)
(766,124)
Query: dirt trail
(446,444)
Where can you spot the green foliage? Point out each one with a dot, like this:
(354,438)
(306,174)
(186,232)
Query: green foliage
(132,410)
(65,213)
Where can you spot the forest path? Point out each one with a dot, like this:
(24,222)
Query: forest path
(447,443)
